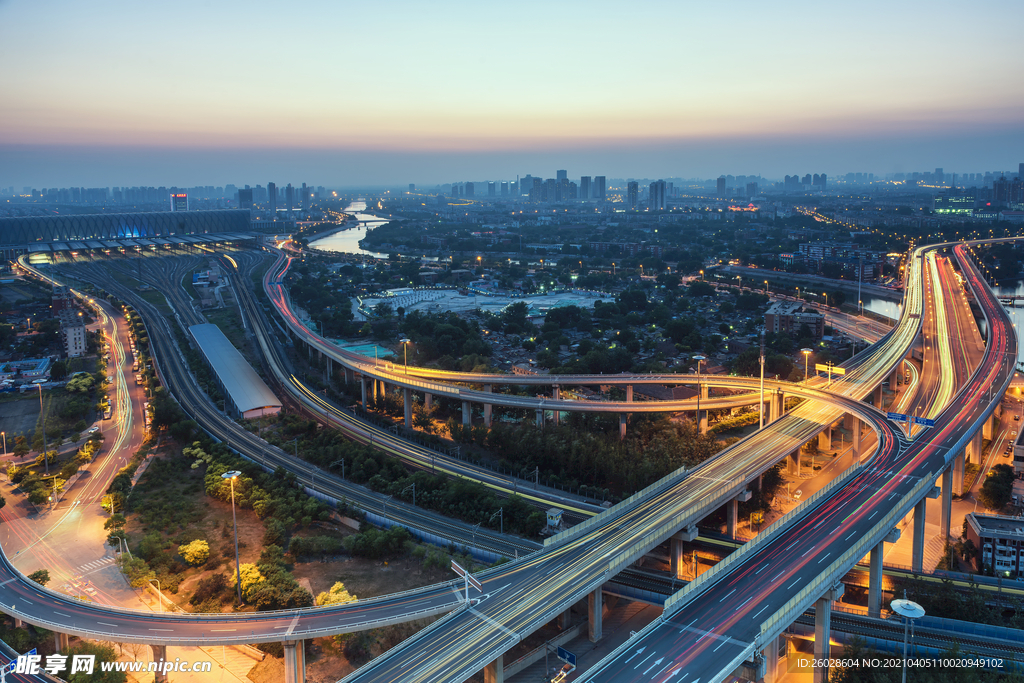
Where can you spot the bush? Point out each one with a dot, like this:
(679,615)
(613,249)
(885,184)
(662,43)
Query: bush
(376,544)
(195,553)
(208,589)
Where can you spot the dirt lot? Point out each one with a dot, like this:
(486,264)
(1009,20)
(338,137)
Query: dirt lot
(19,415)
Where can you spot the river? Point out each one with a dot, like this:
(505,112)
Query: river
(347,241)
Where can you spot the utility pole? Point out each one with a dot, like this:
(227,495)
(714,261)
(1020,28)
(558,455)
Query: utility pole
(761,402)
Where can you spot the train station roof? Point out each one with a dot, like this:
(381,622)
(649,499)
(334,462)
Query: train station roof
(245,389)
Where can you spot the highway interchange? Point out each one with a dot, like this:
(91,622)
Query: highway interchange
(520,596)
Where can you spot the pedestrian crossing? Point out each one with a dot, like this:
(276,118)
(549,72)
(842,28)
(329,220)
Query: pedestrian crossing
(93,566)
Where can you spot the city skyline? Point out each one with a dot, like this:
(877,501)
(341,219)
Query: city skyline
(215,93)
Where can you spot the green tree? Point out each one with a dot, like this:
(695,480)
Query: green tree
(997,487)
(195,553)
(115,521)
(40,576)
(102,653)
(251,578)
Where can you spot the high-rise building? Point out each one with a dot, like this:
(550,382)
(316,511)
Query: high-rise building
(179,201)
(504,188)
(721,186)
(632,191)
(940,176)
(245,198)
(412,187)
(585,187)
(470,189)
(561,175)
(550,191)
(751,189)
(289,197)
(272,197)
(656,196)
(491,189)
(72,332)
(599,188)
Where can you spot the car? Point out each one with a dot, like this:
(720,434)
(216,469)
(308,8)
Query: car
(798,494)
(1016,418)
(93,430)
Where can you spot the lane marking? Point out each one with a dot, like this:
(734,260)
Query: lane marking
(792,584)
(823,557)
(761,570)
(643,660)
(745,602)
(106,624)
(777,576)
(762,609)
(728,594)
(808,550)
(851,536)
(492,622)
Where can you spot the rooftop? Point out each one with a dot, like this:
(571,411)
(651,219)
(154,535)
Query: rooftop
(245,388)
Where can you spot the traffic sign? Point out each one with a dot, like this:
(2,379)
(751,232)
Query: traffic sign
(458,569)
(896,417)
(925,421)
(834,369)
(566,656)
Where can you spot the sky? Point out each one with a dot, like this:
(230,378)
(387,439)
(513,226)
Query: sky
(113,92)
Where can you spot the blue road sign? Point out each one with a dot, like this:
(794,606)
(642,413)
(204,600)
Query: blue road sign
(566,656)
(897,417)
(926,421)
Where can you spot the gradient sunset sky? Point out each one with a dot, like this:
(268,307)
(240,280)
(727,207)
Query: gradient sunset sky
(130,93)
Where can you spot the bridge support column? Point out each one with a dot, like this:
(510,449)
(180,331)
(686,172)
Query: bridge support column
(495,671)
(467,415)
(702,421)
(875,573)
(629,393)
(487,415)
(771,661)
(350,376)
(825,439)
(407,396)
(622,426)
(878,397)
(294,661)
(60,642)
(947,503)
(823,630)
(362,387)
(794,462)
(565,619)
(958,474)
(676,556)
(775,407)
(986,427)
(540,418)
(159,655)
(428,401)
(595,605)
(975,448)
(555,394)
(732,512)
(920,519)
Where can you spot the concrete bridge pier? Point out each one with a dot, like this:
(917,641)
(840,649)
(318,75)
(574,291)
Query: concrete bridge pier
(555,394)
(975,447)
(676,556)
(629,393)
(467,415)
(702,421)
(947,502)
(294,661)
(565,619)
(495,671)
(794,462)
(987,427)
(771,660)
(777,406)
(487,408)
(350,376)
(362,388)
(60,642)
(825,439)
(428,401)
(823,629)
(159,655)
(622,426)
(540,420)
(958,473)
(917,554)
(875,573)
(877,397)
(732,511)
(595,606)
(407,396)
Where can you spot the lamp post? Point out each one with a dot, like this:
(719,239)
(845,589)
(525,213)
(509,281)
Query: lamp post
(231,476)
(910,611)
(405,346)
(761,401)
(42,418)
(500,514)
(807,355)
(766,288)
(4,435)
(698,358)
(825,294)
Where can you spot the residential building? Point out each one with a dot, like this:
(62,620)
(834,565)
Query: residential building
(632,191)
(999,540)
(790,316)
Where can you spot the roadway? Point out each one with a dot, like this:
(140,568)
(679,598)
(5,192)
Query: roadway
(706,633)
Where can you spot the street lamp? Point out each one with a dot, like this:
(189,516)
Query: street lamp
(910,611)
(807,354)
(698,358)
(405,346)
(4,435)
(231,476)
(825,294)
(761,400)
(766,288)
(42,417)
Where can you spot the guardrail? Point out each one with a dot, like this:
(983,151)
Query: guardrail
(837,569)
(779,526)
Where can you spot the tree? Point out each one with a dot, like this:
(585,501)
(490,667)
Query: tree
(251,578)
(195,553)
(997,488)
(40,576)
(115,521)
(338,595)
(837,298)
